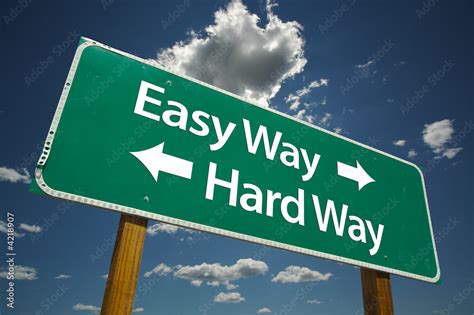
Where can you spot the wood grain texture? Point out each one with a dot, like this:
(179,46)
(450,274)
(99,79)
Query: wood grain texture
(376,292)
(125,265)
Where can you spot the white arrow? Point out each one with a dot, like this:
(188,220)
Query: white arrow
(357,174)
(155,161)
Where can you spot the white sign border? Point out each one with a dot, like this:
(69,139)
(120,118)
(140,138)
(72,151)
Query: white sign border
(115,207)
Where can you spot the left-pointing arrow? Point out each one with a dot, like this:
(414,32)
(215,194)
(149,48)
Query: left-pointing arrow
(155,161)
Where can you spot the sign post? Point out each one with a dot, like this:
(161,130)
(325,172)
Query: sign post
(376,292)
(143,141)
(125,265)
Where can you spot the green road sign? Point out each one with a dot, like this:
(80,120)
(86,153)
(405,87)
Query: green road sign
(134,138)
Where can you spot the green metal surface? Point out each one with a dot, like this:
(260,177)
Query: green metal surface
(98,129)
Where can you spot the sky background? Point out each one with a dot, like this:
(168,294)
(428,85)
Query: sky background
(396,76)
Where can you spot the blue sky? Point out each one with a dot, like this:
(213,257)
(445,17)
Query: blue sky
(384,72)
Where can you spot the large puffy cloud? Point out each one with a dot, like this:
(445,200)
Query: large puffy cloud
(14,176)
(295,274)
(22,273)
(238,55)
(230,297)
(438,136)
(217,274)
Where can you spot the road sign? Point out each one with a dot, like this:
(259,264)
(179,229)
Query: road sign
(134,138)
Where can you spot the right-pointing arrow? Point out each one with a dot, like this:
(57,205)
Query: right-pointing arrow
(155,161)
(357,174)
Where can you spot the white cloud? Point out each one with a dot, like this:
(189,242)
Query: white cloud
(239,55)
(399,143)
(83,307)
(230,297)
(4,229)
(161,227)
(295,99)
(314,104)
(338,130)
(213,283)
(365,65)
(301,114)
(216,273)
(365,69)
(438,136)
(22,226)
(157,228)
(315,301)
(160,270)
(324,121)
(264,310)
(95,309)
(295,274)
(412,153)
(231,286)
(21,273)
(314,85)
(14,176)
(451,153)
(30,228)
(105,276)
(62,276)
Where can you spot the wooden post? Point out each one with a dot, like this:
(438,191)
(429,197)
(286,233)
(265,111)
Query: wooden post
(125,265)
(377,293)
